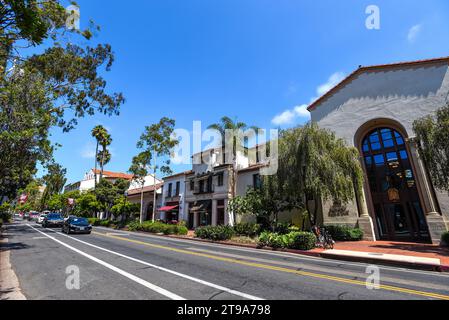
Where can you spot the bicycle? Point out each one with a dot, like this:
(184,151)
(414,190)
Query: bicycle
(324,239)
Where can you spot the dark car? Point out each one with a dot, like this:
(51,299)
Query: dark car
(77,225)
(53,220)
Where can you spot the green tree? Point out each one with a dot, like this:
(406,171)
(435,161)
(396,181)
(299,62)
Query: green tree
(87,205)
(54,181)
(314,166)
(157,144)
(107,193)
(122,207)
(230,128)
(53,88)
(432,139)
(99,132)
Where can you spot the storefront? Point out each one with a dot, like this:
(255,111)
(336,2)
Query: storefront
(170,212)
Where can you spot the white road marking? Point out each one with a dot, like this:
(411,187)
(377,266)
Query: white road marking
(147,284)
(289,255)
(203,282)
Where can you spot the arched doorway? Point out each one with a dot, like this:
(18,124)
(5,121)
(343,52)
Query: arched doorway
(399,214)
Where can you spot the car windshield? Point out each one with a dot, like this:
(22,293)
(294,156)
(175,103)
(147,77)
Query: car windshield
(54,216)
(79,221)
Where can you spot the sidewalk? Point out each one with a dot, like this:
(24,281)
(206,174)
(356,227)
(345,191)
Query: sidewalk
(414,255)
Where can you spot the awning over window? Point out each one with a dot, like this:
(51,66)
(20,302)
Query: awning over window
(168,208)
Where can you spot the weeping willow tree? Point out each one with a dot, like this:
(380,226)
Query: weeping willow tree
(432,137)
(314,166)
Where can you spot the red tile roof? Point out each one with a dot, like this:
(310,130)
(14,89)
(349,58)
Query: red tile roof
(115,175)
(361,69)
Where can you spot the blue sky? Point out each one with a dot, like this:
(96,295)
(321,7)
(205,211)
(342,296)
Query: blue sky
(258,60)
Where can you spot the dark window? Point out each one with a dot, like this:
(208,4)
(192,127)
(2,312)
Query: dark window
(178,186)
(201,186)
(209,184)
(170,187)
(221,179)
(257,183)
(192,185)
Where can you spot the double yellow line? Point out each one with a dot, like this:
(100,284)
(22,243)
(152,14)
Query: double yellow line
(281,269)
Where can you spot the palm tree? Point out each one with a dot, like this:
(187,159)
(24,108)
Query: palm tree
(104,155)
(224,125)
(98,133)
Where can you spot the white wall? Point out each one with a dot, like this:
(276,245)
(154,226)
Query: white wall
(401,94)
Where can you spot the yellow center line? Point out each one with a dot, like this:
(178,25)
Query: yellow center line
(281,269)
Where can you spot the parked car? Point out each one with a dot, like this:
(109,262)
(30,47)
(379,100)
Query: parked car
(26,216)
(41,218)
(33,216)
(77,225)
(53,220)
(67,218)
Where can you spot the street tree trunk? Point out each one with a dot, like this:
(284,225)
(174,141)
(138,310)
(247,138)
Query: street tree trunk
(154,186)
(96,162)
(141,203)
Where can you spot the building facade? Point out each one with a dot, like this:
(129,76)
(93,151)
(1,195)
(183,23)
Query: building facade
(173,198)
(373,110)
(88,182)
(139,192)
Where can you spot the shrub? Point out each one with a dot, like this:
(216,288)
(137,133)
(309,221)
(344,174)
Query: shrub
(345,233)
(302,240)
(445,239)
(282,228)
(218,233)
(292,240)
(134,226)
(105,223)
(94,221)
(181,230)
(247,229)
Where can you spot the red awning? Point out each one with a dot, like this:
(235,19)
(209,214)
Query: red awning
(168,208)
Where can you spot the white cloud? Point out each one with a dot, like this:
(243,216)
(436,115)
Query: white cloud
(286,117)
(88,151)
(413,33)
(289,116)
(301,112)
(333,80)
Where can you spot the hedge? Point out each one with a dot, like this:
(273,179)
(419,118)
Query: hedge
(247,229)
(158,227)
(292,240)
(344,233)
(445,239)
(215,233)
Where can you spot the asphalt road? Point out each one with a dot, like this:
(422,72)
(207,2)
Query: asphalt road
(129,266)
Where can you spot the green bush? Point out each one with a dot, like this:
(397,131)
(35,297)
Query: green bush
(282,228)
(247,229)
(302,240)
(345,233)
(292,240)
(106,223)
(445,239)
(218,233)
(94,221)
(158,228)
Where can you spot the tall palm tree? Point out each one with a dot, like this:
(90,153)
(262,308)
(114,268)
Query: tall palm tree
(98,133)
(225,124)
(104,157)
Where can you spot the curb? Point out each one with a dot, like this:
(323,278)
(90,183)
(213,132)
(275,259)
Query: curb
(321,254)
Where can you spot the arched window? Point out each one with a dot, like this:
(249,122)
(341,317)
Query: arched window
(398,211)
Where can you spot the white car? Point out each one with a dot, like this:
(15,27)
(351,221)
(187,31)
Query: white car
(41,218)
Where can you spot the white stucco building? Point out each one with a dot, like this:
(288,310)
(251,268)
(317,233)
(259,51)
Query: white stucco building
(373,110)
